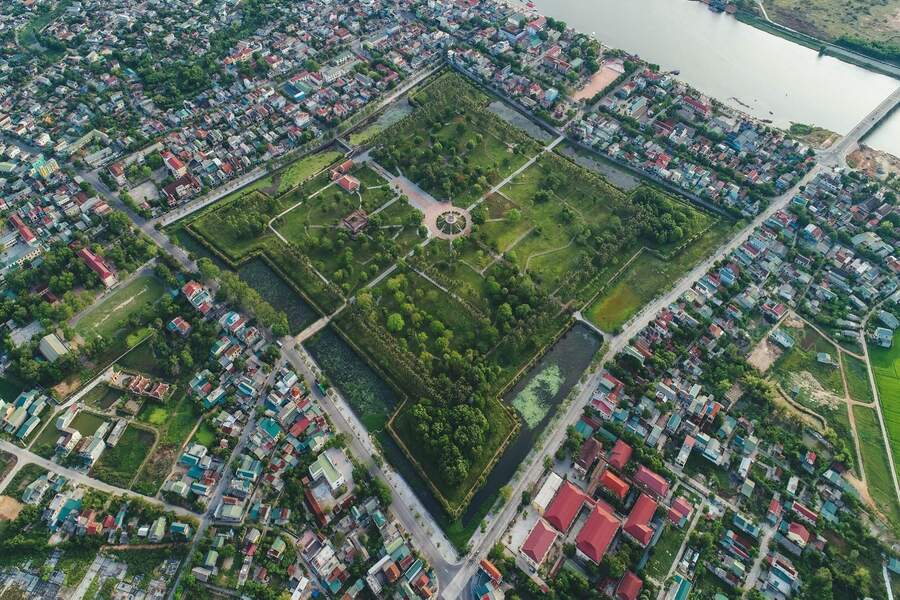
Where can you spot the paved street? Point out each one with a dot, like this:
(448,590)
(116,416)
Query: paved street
(429,538)
(79,478)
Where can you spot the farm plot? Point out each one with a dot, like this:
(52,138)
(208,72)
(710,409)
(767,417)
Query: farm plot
(875,462)
(886,368)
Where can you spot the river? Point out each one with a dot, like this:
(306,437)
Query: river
(760,73)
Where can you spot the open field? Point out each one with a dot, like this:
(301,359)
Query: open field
(205,436)
(301,170)
(857,378)
(118,465)
(867,21)
(647,277)
(878,470)
(106,318)
(173,422)
(664,552)
(102,396)
(886,368)
(800,367)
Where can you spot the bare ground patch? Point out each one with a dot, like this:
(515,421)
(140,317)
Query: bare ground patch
(817,394)
(9,508)
(764,355)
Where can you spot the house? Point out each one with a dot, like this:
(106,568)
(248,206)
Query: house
(638,526)
(52,347)
(614,485)
(650,482)
(590,452)
(157,530)
(324,466)
(348,183)
(629,587)
(98,266)
(565,506)
(619,455)
(597,534)
(536,546)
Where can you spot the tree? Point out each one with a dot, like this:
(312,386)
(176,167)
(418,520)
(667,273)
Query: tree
(395,323)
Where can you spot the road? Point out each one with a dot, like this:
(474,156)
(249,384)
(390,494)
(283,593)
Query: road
(429,539)
(219,490)
(79,478)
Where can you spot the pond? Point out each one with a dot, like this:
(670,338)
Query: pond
(369,396)
(278,293)
(536,397)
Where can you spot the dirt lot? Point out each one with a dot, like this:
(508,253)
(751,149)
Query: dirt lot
(764,355)
(9,508)
(874,163)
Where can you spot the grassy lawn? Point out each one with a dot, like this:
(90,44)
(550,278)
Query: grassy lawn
(118,465)
(205,436)
(857,378)
(106,318)
(664,553)
(26,475)
(301,170)
(173,422)
(647,277)
(886,368)
(878,470)
(102,396)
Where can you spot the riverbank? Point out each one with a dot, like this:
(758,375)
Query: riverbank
(823,47)
(771,77)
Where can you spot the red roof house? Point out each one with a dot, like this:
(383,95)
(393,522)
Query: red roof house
(798,534)
(614,485)
(590,451)
(597,534)
(538,543)
(651,482)
(98,266)
(620,454)
(629,587)
(637,526)
(565,506)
